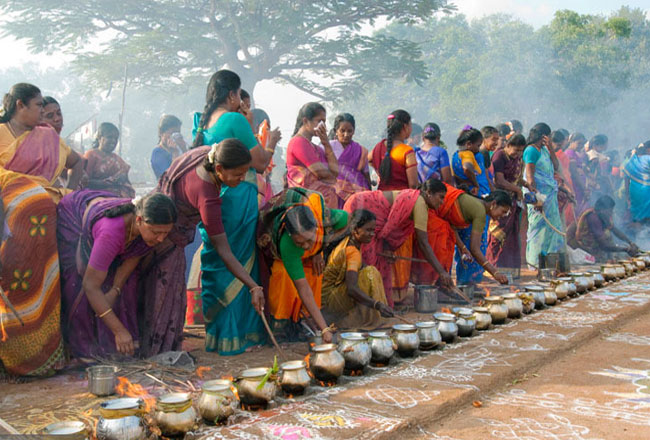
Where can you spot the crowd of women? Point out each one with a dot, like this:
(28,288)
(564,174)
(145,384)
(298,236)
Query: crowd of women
(338,247)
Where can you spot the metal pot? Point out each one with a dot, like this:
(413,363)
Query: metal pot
(621,272)
(355,350)
(425,299)
(466,322)
(101,379)
(406,338)
(528,302)
(483,318)
(629,267)
(217,401)
(175,414)
(609,271)
(497,308)
(294,378)
(591,281)
(382,347)
(538,295)
(582,284)
(428,334)
(326,363)
(447,326)
(640,263)
(120,419)
(69,430)
(247,385)
(515,307)
(562,287)
(598,277)
(550,298)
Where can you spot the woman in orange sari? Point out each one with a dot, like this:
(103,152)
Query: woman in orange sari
(296,223)
(31,148)
(400,215)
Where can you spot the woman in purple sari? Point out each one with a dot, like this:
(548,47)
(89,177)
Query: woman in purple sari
(101,240)
(354,175)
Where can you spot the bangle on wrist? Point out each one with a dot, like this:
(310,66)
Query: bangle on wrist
(109,310)
(119,291)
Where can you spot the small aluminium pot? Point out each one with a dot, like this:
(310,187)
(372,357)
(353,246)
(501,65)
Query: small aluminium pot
(217,401)
(101,380)
(483,318)
(68,430)
(514,304)
(175,414)
(562,287)
(355,350)
(581,282)
(326,363)
(466,322)
(538,295)
(382,347)
(247,387)
(598,277)
(406,338)
(294,378)
(447,326)
(428,334)
(498,309)
(550,297)
(609,271)
(120,419)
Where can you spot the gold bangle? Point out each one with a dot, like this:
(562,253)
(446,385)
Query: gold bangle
(105,313)
(119,291)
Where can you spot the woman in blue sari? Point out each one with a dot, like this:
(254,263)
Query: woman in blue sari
(232,325)
(471,175)
(637,183)
(545,227)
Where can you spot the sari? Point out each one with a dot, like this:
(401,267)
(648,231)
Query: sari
(347,313)
(231,323)
(39,153)
(108,172)
(402,157)
(590,231)
(31,284)
(566,208)
(582,200)
(394,228)
(504,248)
(543,239)
(470,272)
(431,162)
(86,334)
(353,168)
(441,236)
(301,154)
(637,169)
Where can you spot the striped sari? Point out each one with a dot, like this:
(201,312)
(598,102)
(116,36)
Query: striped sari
(31,284)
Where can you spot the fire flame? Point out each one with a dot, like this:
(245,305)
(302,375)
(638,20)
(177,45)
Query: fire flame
(126,388)
(308,369)
(354,373)
(329,383)
(200,371)
(233,388)
(487,292)
(445,310)
(88,413)
(3,310)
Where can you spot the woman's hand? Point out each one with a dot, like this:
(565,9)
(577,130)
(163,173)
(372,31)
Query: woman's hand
(445,280)
(321,132)
(274,138)
(466,255)
(327,337)
(501,278)
(385,311)
(474,191)
(257,299)
(124,342)
(318,263)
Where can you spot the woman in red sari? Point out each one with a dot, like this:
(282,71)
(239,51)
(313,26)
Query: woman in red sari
(400,215)
(106,170)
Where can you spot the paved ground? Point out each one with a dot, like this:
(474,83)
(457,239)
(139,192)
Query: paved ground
(577,371)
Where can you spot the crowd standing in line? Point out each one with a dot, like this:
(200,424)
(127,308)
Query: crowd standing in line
(334,249)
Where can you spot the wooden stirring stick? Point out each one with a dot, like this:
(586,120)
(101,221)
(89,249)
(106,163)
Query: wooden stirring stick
(268,330)
(404,320)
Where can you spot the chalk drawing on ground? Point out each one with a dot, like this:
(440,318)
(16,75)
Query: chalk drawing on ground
(629,338)
(569,319)
(512,345)
(554,427)
(403,398)
(639,378)
(535,334)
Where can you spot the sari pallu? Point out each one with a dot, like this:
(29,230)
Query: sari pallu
(394,227)
(31,284)
(353,168)
(108,172)
(86,334)
(637,169)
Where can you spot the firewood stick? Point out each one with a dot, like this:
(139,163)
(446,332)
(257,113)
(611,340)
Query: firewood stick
(268,330)
(399,257)
(404,320)
(7,427)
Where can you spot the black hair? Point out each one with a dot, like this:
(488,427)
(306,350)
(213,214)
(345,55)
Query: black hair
(360,218)
(50,100)
(308,111)
(542,127)
(502,198)
(557,137)
(23,92)
(416,129)
(397,120)
(260,116)
(299,219)
(431,131)
(342,117)
(243,94)
(469,135)
(103,129)
(488,131)
(565,132)
(155,209)
(221,84)
(503,130)
(517,126)
(517,140)
(577,136)
(167,122)
(599,139)
(433,186)
(604,202)
(231,153)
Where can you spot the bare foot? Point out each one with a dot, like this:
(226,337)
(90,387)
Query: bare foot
(254,349)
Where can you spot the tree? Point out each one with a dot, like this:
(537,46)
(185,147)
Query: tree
(319,47)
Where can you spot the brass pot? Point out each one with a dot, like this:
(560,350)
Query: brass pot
(498,309)
(355,350)
(69,430)
(609,271)
(629,267)
(515,307)
(382,347)
(483,318)
(581,282)
(550,298)
(621,271)
(294,378)
(527,301)
(175,414)
(562,287)
(447,326)
(247,385)
(598,277)
(326,363)
(538,295)
(217,401)
(640,263)
(428,334)
(120,419)
(406,338)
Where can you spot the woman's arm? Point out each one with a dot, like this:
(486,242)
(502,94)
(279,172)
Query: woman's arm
(122,274)
(447,177)
(359,296)
(502,183)
(530,176)
(425,247)
(261,158)
(412,177)
(307,297)
(92,285)
(332,161)
(475,249)
(470,173)
(75,164)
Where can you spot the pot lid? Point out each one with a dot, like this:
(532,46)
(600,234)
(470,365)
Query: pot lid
(217,385)
(425,324)
(122,403)
(510,296)
(65,428)
(252,373)
(353,336)
(534,288)
(173,398)
(293,365)
(323,348)
(493,299)
(404,327)
(444,316)
(379,335)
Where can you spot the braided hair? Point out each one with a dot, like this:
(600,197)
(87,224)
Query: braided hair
(308,111)
(221,84)
(396,122)
(23,92)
